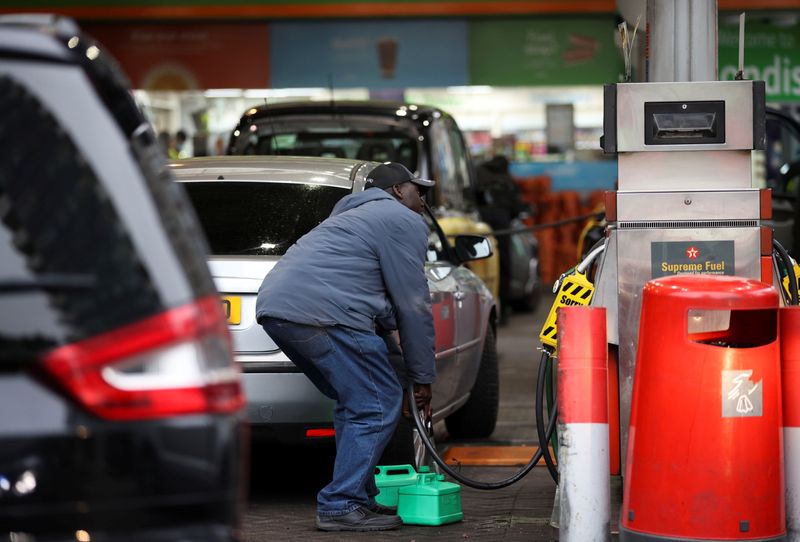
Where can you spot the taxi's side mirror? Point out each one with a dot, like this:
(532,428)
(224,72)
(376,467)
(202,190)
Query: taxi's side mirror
(472,247)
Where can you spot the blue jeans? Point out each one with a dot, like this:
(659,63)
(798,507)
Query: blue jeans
(352,367)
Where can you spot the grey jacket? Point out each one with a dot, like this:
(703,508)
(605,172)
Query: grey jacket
(364,263)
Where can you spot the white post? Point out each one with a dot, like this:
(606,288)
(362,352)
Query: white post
(583,465)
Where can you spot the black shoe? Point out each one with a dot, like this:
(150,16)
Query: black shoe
(378,508)
(360,519)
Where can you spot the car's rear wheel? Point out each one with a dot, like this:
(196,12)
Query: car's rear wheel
(478,416)
(529,302)
(400,450)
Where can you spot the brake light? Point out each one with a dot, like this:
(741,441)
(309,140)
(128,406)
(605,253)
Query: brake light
(176,362)
(320,433)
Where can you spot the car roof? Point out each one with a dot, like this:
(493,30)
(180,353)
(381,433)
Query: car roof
(339,172)
(350,107)
(37,36)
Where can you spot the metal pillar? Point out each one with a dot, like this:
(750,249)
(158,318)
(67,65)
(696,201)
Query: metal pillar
(682,38)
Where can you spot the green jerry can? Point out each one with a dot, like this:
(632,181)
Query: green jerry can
(431,501)
(390,478)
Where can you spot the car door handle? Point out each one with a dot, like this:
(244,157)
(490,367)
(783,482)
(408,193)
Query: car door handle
(459,295)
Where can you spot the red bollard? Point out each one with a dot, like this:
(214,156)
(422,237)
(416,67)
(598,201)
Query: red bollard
(582,388)
(705,453)
(790,378)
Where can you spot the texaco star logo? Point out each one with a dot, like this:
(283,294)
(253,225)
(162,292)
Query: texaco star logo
(692,253)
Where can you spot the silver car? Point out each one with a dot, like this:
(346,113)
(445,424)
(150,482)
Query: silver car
(252,209)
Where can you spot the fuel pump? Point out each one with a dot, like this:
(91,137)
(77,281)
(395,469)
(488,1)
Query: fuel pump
(685,202)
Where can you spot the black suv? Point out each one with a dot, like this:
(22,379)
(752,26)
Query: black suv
(423,138)
(120,406)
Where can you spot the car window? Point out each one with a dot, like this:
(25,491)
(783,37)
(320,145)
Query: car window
(446,167)
(68,267)
(342,137)
(253,218)
(782,167)
(461,163)
(782,152)
(438,248)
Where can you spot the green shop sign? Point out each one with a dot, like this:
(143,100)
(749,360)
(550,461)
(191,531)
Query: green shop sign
(771,54)
(544,51)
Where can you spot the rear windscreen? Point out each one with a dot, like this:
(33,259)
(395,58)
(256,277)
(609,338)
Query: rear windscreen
(241,218)
(340,137)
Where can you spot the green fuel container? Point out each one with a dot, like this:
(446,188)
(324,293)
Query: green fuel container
(390,478)
(431,501)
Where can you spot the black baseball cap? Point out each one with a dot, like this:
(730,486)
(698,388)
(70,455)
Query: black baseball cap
(389,174)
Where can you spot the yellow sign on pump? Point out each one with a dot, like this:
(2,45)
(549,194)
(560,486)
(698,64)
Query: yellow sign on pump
(575,290)
(785,282)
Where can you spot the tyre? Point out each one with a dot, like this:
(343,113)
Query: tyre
(407,448)
(529,302)
(400,450)
(478,416)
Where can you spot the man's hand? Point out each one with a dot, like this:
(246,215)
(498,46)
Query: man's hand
(422,398)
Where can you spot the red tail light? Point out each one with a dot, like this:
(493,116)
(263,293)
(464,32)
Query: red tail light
(176,362)
(320,433)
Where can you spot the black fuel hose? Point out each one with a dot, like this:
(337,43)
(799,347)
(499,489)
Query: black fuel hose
(794,299)
(544,440)
(476,484)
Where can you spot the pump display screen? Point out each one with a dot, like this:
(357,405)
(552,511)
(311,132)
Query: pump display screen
(684,123)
